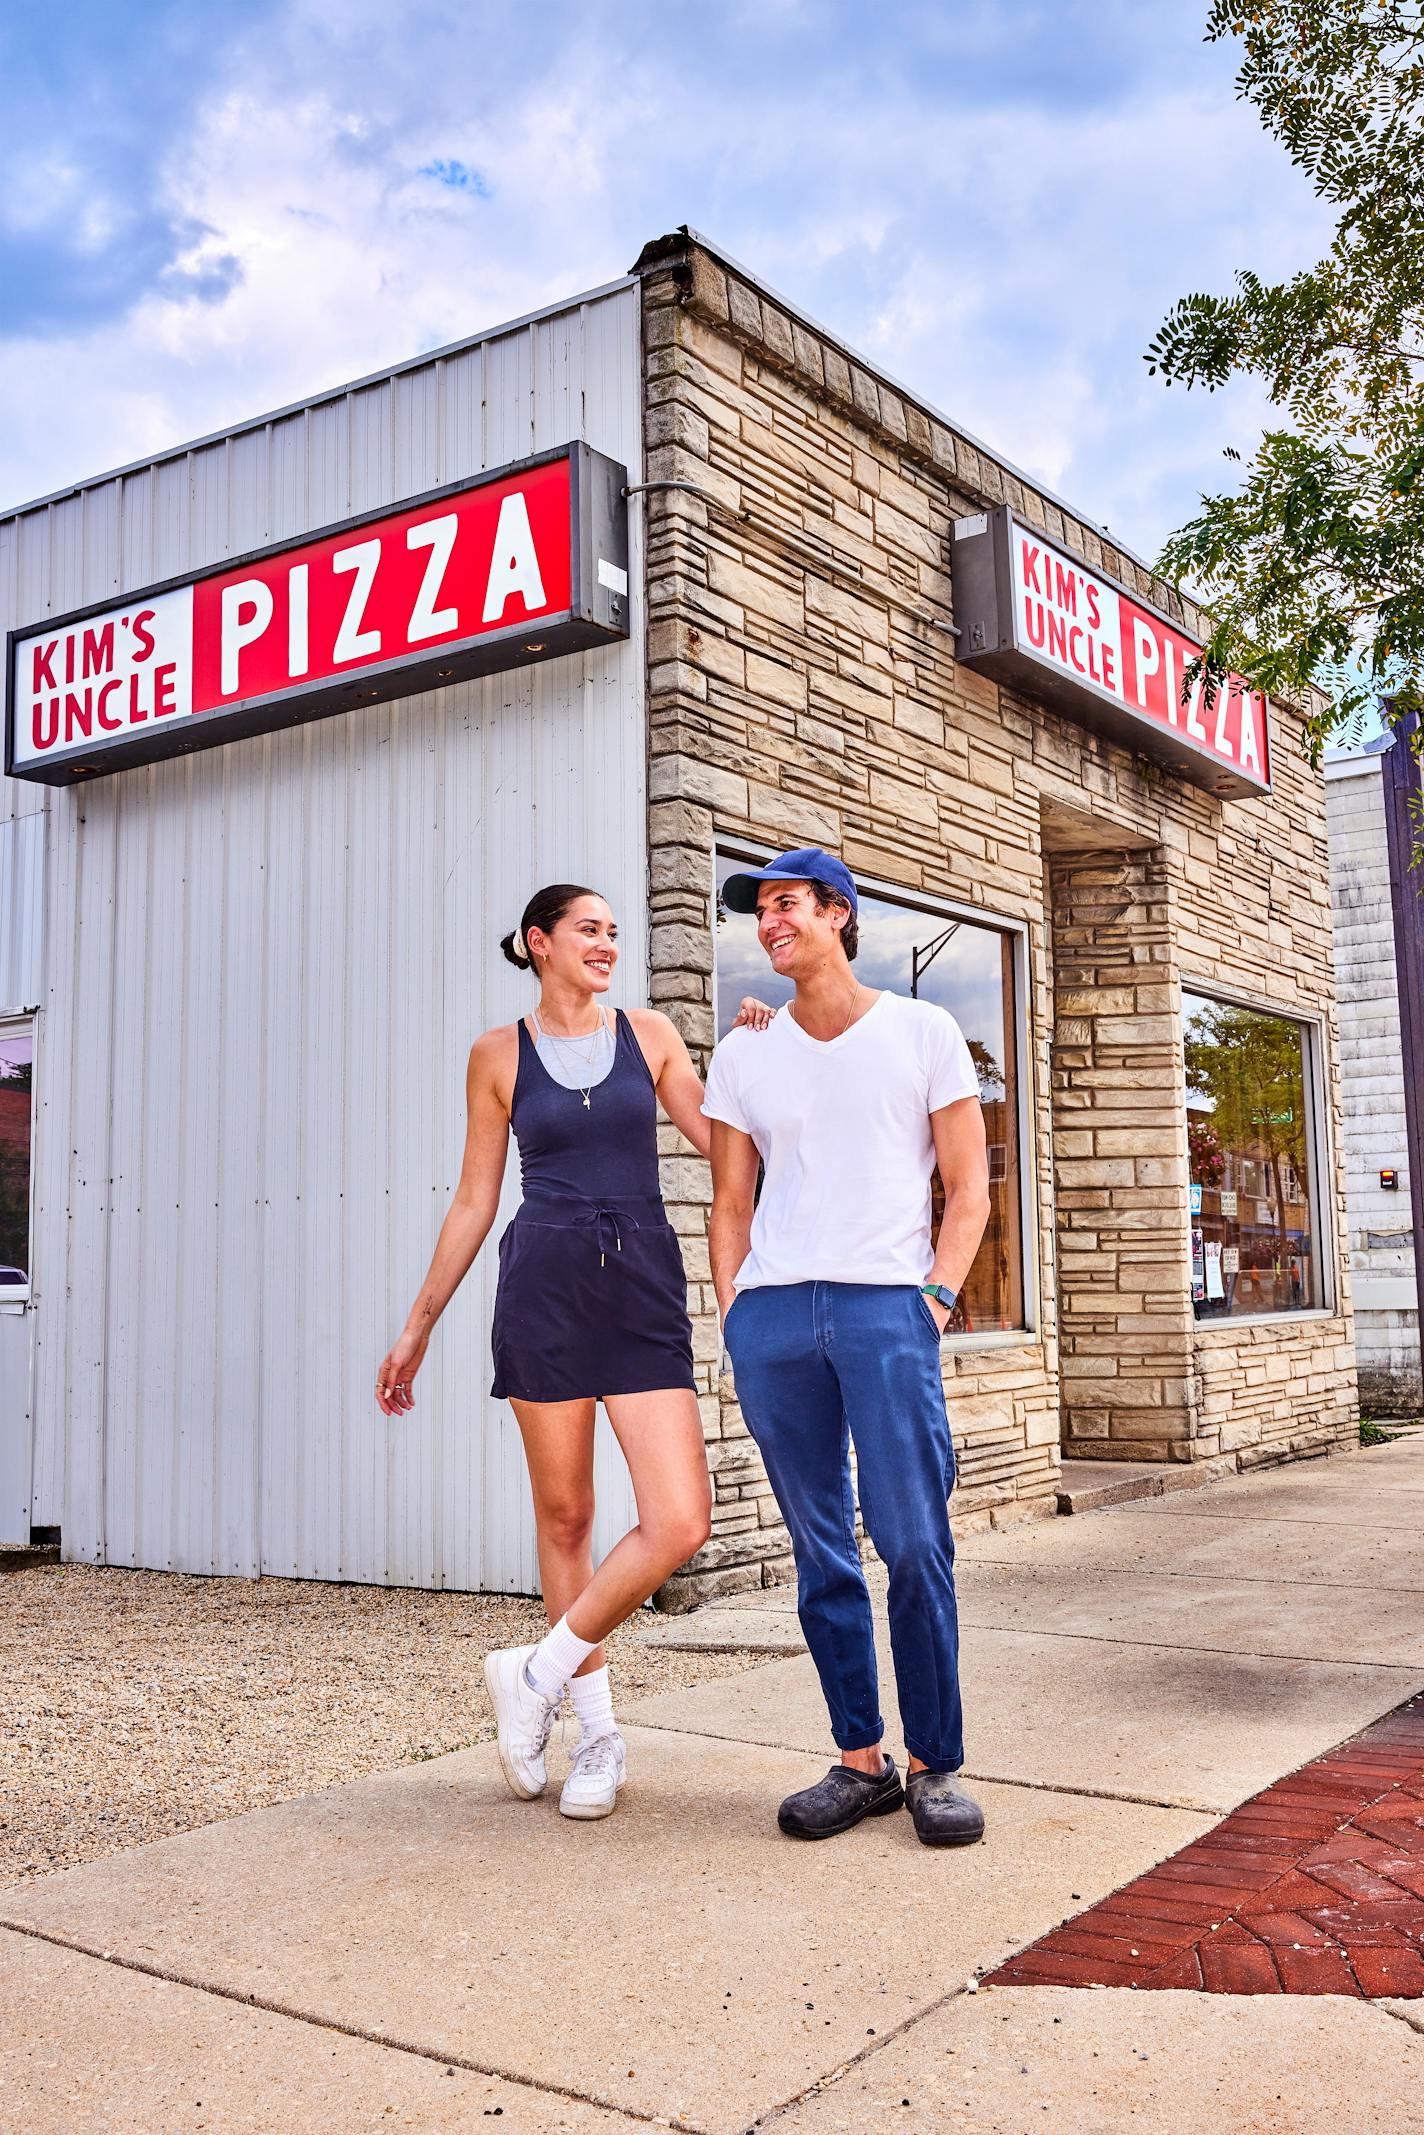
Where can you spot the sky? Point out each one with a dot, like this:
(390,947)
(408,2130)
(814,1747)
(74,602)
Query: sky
(210,212)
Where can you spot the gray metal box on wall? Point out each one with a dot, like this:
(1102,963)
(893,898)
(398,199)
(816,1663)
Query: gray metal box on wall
(263,964)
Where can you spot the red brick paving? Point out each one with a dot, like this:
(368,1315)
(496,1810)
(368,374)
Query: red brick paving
(1315,1886)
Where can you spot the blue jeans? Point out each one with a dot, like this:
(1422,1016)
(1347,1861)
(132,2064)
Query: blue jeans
(819,1364)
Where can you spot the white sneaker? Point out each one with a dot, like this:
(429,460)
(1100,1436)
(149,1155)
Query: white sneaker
(525,1720)
(598,1771)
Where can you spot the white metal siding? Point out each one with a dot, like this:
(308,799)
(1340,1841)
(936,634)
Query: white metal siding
(265,965)
(1372,1083)
(22,856)
(21,909)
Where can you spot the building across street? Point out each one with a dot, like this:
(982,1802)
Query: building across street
(1378,910)
(630,592)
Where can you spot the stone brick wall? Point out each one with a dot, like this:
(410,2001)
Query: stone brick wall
(803,688)
(1372,1079)
(1124,1312)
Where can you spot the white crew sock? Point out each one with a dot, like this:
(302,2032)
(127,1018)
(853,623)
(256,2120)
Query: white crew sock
(592,1699)
(555,1658)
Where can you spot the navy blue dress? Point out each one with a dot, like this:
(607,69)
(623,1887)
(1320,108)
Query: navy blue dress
(592,1295)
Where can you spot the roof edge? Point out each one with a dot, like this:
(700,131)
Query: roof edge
(1120,560)
(317,399)
(661,251)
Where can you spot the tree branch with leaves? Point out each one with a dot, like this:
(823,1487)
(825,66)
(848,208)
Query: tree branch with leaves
(1312,569)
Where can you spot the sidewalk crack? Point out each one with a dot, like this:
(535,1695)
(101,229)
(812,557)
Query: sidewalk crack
(993,1779)
(173,1977)
(1412,2017)
(864,2053)
(965,1565)
(1232,1653)
(1280,1519)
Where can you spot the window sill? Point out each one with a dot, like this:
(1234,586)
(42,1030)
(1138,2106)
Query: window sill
(1205,1329)
(959,1345)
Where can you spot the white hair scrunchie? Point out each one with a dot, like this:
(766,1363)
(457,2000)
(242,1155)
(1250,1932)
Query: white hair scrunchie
(518,945)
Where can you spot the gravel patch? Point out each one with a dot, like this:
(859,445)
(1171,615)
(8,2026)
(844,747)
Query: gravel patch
(138,1704)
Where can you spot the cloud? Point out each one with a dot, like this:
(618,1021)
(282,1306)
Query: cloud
(93,97)
(997,208)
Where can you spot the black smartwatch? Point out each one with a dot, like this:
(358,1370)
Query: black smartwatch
(940,1294)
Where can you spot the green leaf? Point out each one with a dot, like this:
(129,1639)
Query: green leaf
(1313,567)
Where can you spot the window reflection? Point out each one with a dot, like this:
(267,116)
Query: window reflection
(963,966)
(16,1068)
(1253,1242)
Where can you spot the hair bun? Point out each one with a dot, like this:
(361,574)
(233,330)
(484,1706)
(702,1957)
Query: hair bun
(544,910)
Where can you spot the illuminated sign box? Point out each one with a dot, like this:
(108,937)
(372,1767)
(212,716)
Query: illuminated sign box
(521,565)
(1031,614)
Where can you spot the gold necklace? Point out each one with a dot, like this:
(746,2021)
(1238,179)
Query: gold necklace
(855,996)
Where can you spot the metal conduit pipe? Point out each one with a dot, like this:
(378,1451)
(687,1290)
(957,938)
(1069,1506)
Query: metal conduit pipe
(694,489)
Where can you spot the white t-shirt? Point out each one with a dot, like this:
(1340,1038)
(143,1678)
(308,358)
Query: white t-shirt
(843,1129)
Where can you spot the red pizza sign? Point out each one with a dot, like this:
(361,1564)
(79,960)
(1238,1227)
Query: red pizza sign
(517,567)
(1030,613)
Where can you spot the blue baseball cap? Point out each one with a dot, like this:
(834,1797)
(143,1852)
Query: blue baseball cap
(810,864)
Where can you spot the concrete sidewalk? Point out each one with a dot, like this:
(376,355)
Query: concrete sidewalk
(417,1949)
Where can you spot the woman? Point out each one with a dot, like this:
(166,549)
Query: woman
(591,1304)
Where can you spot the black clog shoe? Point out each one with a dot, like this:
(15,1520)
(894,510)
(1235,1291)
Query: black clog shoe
(944,1814)
(843,1799)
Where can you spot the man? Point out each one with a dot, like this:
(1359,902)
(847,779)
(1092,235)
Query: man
(833,1302)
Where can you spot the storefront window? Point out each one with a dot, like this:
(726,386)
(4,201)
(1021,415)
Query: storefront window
(16,1063)
(961,965)
(1254,1232)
